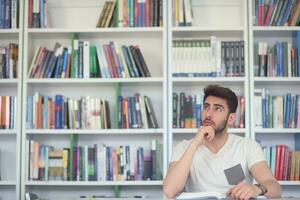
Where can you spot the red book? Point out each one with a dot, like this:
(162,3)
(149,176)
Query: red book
(147,13)
(269,14)
(30,11)
(283,150)
(277,162)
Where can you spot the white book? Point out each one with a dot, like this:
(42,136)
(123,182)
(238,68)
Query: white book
(86,59)
(143,112)
(71,114)
(14,6)
(213,55)
(200,195)
(188,13)
(258,107)
(102,61)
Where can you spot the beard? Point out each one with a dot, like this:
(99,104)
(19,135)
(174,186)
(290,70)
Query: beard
(220,128)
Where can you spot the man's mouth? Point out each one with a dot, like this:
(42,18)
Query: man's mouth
(208,122)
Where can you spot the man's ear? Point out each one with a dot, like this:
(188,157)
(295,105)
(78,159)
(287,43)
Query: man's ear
(231,119)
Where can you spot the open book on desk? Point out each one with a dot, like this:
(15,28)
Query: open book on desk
(200,195)
(206,196)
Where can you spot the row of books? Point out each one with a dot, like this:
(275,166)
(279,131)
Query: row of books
(136,112)
(97,163)
(278,60)
(276,111)
(131,13)
(61,112)
(187,111)
(182,13)
(198,57)
(276,12)
(9,14)
(86,60)
(8,112)
(9,60)
(37,14)
(284,163)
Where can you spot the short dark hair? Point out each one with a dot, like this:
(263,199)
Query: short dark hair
(224,93)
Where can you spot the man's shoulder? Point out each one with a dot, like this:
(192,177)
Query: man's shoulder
(245,141)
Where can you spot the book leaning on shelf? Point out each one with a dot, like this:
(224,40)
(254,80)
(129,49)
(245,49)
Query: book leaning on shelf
(87,60)
(131,13)
(60,112)
(276,13)
(208,58)
(98,162)
(9,61)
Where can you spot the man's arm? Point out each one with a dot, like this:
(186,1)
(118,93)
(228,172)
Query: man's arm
(263,175)
(178,171)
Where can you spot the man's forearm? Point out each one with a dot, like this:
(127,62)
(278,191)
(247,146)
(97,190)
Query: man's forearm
(273,189)
(178,173)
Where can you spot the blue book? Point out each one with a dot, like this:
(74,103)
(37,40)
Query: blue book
(58,111)
(297,141)
(120,111)
(287,110)
(11,112)
(42,14)
(273,159)
(133,113)
(1,14)
(296,110)
(298,51)
(45,113)
(65,62)
(287,13)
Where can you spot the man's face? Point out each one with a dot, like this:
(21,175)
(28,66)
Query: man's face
(215,113)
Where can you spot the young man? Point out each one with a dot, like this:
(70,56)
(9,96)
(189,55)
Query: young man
(217,161)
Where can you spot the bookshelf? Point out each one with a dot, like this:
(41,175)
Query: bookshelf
(10,138)
(274,86)
(80,17)
(227,21)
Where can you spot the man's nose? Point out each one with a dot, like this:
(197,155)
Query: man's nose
(208,113)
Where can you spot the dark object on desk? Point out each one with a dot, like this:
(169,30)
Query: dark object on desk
(234,174)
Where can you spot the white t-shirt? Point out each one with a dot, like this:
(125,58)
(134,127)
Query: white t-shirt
(207,168)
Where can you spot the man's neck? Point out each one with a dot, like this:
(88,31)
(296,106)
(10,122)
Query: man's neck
(218,142)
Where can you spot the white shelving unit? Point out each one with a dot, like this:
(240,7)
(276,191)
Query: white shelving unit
(80,17)
(10,139)
(227,20)
(275,86)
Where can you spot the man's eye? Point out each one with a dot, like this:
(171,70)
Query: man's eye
(219,109)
